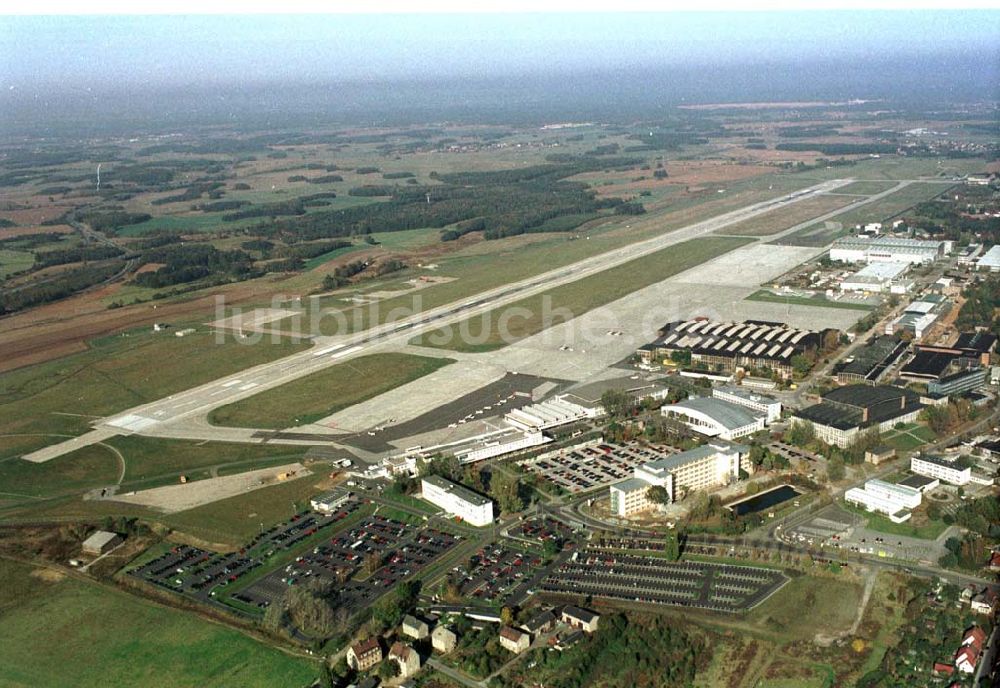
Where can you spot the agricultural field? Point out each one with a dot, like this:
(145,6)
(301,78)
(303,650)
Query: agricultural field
(865,188)
(583,295)
(130,642)
(321,394)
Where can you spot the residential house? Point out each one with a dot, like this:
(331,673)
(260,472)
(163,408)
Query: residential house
(540,622)
(365,654)
(443,639)
(984,602)
(514,640)
(406,658)
(581,619)
(415,628)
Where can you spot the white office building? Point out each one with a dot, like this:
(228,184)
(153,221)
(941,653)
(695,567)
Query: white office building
(331,501)
(762,404)
(895,501)
(942,469)
(470,506)
(711,465)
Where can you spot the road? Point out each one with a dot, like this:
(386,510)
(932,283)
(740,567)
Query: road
(198,401)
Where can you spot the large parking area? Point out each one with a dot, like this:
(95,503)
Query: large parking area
(203,575)
(361,563)
(652,580)
(591,467)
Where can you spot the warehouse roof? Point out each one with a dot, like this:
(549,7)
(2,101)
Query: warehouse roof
(982,342)
(99,539)
(724,413)
(928,364)
(868,396)
(991,259)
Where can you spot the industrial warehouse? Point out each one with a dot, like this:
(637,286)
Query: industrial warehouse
(728,346)
(711,465)
(859,249)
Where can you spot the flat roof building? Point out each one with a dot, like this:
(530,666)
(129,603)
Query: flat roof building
(942,469)
(877,278)
(470,506)
(861,249)
(711,465)
(990,260)
(331,501)
(101,542)
(894,501)
(755,401)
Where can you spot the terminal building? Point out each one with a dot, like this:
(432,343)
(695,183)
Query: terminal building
(895,501)
(470,506)
(767,406)
(941,469)
(714,417)
(499,445)
(709,466)
(846,412)
(885,250)
(727,346)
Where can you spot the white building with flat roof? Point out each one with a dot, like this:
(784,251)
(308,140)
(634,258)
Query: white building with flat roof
(331,501)
(759,403)
(990,260)
(711,465)
(470,506)
(875,277)
(550,414)
(859,249)
(942,469)
(895,501)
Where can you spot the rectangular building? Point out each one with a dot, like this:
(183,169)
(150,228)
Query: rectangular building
(894,501)
(860,249)
(942,469)
(331,501)
(767,406)
(470,506)
(846,412)
(711,465)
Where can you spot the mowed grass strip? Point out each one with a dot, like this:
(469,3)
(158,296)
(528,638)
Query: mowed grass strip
(780,219)
(575,298)
(44,403)
(316,396)
(67,632)
(817,300)
(867,188)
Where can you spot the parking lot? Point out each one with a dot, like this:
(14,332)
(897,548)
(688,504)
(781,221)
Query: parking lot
(834,528)
(202,575)
(361,563)
(590,467)
(651,580)
(495,573)
(544,530)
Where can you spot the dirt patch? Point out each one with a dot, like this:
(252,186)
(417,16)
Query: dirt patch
(48,575)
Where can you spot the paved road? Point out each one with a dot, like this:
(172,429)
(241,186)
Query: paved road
(198,401)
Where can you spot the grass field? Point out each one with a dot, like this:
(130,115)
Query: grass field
(66,632)
(316,396)
(910,437)
(14,261)
(41,404)
(578,297)
(232,522)
(784,218)
(834,601)
(928,530)
(878,211)
(817,300)
(865,188)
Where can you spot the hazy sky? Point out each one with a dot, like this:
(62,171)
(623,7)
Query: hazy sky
(98,51)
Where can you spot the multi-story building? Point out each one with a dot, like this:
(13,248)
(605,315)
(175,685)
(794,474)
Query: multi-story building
(942,469)
(708,466)
(895,501)
(364,654)
(514,640)
(969,380)
(470,506)
(762,404)
(846,412)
